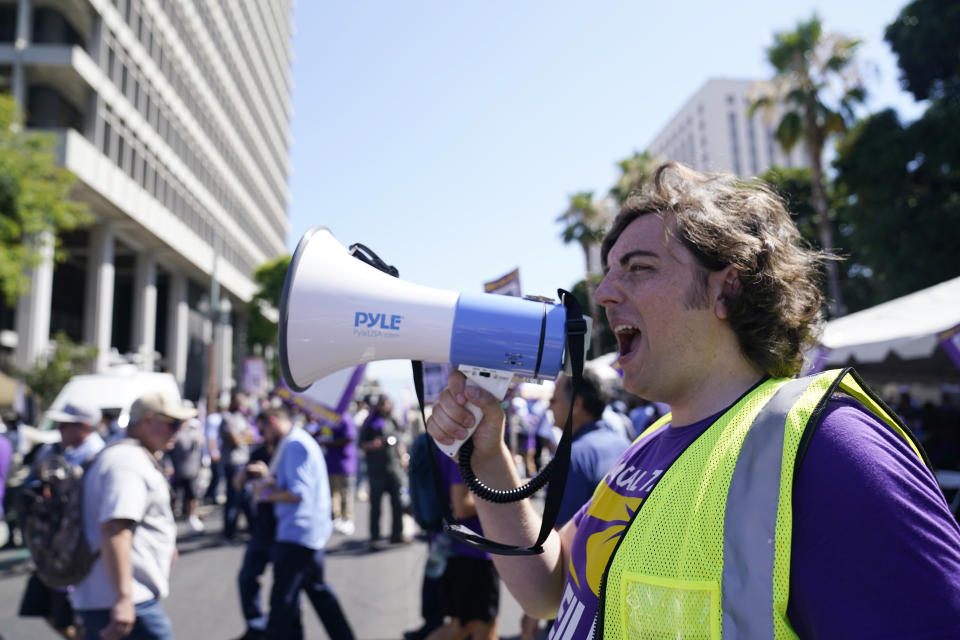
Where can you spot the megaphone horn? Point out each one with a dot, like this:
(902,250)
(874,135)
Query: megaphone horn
(337,311)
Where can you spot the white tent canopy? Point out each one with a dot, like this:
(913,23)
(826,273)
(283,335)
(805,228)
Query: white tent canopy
(906,328)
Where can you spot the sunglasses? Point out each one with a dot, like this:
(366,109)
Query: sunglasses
(170,422)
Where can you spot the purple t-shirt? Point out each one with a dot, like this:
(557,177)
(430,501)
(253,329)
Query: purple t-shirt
(450,475)
(875,552)
(593,451)
(340,460)
(6,456)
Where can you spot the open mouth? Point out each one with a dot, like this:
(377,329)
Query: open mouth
(628,337)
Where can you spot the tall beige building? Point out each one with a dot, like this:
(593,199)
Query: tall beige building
(174,115)
(712,132)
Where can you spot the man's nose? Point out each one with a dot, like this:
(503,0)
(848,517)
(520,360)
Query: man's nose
(606,293)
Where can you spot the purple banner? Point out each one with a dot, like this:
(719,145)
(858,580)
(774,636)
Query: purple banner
(327,398)
(950,342)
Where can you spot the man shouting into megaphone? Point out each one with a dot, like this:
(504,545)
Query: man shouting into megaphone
(765,505)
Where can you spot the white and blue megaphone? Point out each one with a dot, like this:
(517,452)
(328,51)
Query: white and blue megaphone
(337,311)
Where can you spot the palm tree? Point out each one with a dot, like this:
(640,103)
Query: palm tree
(634,172)
(584,222)
(810,65)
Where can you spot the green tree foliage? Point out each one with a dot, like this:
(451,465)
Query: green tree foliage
(69,358)
(34,198)
(925,39)
(794,185)
(602,339)
(634,172)
(808,65)
(269,277)
(900,183)
(902,199)
(585,223)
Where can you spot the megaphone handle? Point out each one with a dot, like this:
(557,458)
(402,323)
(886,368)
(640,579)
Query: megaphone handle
(495,382)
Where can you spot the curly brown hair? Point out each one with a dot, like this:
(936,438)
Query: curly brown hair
(725,220)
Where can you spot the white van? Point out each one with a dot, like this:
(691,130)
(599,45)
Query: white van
(113,392)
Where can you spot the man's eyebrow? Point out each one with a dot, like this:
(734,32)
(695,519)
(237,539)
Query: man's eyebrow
(625,258)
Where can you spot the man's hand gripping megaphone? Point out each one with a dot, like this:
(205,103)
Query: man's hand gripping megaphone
(464,410)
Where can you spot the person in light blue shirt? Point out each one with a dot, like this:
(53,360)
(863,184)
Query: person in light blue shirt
(300,493)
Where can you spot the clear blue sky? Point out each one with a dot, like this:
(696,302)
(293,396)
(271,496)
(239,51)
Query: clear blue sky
(447,136)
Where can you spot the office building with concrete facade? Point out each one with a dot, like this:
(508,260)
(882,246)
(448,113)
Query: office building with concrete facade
(712,132)
(174,116)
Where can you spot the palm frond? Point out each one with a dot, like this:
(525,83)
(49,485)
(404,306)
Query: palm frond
(789,131)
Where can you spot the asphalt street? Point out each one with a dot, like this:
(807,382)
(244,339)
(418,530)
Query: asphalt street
(379,591)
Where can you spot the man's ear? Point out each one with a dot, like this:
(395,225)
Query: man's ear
(729,285)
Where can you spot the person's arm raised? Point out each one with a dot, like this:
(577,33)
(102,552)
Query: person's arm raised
(535,581)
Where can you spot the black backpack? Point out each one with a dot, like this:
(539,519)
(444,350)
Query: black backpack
(51,517)
(50,509)
(425,505)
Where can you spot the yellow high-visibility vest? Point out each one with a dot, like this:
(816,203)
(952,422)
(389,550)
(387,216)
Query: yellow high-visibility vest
(708,554)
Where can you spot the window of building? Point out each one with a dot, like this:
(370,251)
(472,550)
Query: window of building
(51,27)
(105,140)
(49,108)
(8,22)
(734,143)
(111,62)
(135,91)
(121,150)
(769,139)
(134,163)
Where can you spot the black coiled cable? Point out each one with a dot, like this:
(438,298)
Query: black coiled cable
(499,496)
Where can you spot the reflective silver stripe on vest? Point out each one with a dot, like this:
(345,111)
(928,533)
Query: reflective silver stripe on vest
(750,521)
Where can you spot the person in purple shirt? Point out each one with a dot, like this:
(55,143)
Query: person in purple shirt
(6,457)
(340,451)
(469,587)
(713,299)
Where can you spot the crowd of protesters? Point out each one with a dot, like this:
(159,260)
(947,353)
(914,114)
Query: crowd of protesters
(240,457)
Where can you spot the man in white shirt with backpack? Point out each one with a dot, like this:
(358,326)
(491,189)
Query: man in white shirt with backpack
(128,519)
(79,443)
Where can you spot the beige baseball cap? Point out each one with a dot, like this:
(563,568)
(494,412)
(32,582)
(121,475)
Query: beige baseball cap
(160,404)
